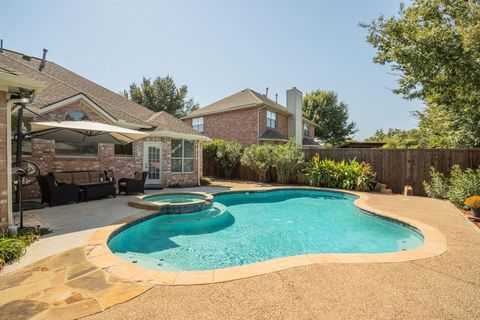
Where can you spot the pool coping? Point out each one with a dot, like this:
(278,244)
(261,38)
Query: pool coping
(99,254)
(139,202)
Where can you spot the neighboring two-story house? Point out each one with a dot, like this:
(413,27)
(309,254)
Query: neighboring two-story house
(249,117)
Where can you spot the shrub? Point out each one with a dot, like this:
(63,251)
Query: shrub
(461,185)
(204,181)
(350,175)
(210,147)
(12,248)
(258,158)
(287,158)
(438,185)
(228,155)
(473,202)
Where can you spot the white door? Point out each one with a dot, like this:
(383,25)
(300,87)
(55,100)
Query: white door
(152,161)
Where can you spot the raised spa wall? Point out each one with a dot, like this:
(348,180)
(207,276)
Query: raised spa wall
(173,208)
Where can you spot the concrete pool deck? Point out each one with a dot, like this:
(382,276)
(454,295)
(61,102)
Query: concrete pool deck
(447,286)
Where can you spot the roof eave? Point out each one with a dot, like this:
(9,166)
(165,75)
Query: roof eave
(178,135)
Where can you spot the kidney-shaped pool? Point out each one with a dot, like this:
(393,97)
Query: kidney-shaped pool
(248,227)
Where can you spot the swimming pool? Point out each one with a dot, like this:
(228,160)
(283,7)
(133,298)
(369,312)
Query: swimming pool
(248,227)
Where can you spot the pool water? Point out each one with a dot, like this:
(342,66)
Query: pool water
(244,228)
(175,198)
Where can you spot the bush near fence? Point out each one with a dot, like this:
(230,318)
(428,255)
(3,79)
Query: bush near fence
(394,167)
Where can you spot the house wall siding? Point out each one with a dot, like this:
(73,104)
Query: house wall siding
(3,160)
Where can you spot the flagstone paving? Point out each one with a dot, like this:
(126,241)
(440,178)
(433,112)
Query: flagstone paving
(64,286)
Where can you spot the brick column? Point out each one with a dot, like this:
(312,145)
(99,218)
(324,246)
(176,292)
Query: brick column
(3,160)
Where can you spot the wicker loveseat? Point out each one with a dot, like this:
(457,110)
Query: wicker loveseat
(88,185)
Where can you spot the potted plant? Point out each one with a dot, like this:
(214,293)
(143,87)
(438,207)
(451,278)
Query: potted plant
(474,204)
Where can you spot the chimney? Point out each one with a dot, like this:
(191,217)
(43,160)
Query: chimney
(295,122)
(42,63)
(266,93)
(276,97)
(1,45)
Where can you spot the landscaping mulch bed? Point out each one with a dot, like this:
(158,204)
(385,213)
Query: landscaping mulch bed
(468,213)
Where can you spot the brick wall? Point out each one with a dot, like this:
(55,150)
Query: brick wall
(239,125)
(311,131)
(3,159)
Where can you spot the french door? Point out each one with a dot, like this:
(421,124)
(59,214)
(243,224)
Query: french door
(152,162)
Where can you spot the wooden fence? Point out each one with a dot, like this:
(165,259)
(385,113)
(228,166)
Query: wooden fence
(394,167)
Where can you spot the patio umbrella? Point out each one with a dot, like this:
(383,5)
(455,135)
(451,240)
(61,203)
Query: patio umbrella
(84,131)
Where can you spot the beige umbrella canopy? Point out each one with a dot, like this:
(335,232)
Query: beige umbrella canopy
(84,131)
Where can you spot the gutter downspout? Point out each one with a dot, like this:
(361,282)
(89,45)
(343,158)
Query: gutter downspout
(258,123)
(10,104)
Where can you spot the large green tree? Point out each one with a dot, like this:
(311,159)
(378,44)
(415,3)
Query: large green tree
(399,139)
(162,94)
(434,48)
(330,115)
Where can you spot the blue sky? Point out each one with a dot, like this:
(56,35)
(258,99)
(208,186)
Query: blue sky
(219,47)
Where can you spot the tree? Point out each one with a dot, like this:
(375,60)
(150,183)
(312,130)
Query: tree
(331,116)
(399,139)
(228,155)
(258,158)
(434,48)
(286,159)
(162,94)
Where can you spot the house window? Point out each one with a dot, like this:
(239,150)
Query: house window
(183,155)
(197,124)
(76,115)
(271,119)
(306,132)
(124,150)
(76,149)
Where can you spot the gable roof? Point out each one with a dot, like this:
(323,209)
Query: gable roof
(63,84)
(247,98)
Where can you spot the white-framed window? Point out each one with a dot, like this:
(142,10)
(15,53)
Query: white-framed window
(306,131)
(183,155)
(271,119)
(197,124)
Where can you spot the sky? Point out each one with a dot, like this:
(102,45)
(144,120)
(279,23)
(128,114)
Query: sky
(218,48)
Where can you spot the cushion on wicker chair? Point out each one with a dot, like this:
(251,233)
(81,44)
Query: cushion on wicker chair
(63,177)
(94,176)
(80,177)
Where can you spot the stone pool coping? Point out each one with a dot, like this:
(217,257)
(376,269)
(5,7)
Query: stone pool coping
(102,257)
(139,202)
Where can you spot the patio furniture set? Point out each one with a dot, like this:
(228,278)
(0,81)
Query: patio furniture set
(75,186)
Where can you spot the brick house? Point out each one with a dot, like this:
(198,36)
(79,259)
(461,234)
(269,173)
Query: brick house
(249,117)
(171,153)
